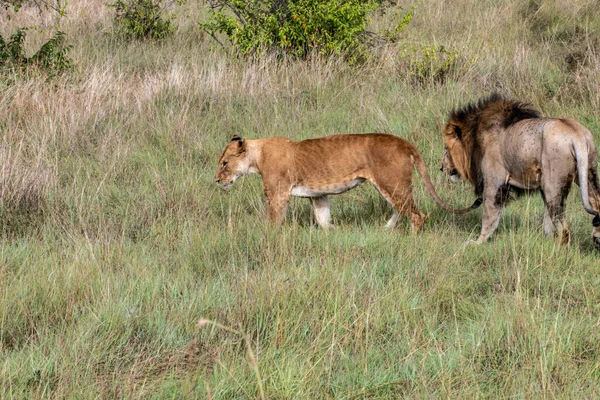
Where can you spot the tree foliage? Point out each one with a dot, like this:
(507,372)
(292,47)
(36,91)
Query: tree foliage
(144,19)
(52,57)
(295,27)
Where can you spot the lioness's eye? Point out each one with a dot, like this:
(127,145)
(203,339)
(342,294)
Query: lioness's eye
(224,164)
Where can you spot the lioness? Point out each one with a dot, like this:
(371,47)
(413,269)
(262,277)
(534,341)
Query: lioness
(499,145)
(316,168)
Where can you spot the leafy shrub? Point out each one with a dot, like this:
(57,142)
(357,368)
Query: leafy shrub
(14,4)
(12,52)
(52,57)
(143,19)
(393,35)
(430,63)
(296,27)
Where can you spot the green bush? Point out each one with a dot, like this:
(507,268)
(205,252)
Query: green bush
(52,57)
(12,52)
(295,27)
(405,18)
(430,63)
(142,19)
(14,4)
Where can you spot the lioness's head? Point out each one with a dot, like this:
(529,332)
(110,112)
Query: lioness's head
(233,163)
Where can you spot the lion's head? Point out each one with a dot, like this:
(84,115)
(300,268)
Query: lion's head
(456,162)
(447,166)
(233,163)
(463,148)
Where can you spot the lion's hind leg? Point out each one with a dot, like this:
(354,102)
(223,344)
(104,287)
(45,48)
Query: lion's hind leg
(593,187)
(548,224)
(594,199)
(555,221)
(593,196)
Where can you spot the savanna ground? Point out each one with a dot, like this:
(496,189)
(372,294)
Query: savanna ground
(116,241)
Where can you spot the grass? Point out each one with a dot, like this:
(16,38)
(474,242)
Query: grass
(116,241)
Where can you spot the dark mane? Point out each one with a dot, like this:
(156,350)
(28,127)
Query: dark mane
(493,109)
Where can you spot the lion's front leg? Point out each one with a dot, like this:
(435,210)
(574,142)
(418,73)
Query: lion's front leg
(493,203)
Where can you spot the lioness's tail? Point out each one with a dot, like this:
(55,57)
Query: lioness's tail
(417,159)
(581,155)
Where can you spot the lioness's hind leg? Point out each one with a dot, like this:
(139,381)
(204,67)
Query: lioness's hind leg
(417,219)
(393,221)
(404,205)
(321,210)
(397,190)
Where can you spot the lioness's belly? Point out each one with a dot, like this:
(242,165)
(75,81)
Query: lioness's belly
(325,189)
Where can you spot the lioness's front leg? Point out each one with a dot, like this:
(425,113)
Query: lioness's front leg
(276,204)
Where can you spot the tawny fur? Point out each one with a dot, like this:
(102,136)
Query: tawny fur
(498,144)
(316,168)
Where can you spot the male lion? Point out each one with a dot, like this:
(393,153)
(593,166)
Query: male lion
(499,145)
(316,168)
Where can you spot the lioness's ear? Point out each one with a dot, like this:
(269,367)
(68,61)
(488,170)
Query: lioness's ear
(241,142)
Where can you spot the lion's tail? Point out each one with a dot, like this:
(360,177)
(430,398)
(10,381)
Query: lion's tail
(581,155)
(418,161)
